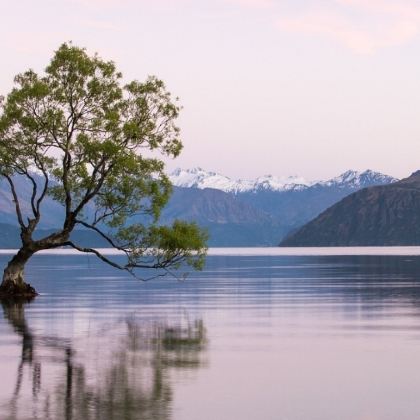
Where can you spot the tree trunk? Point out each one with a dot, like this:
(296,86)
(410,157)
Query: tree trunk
(13,284)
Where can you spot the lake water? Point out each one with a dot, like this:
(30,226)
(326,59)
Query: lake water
(258,335)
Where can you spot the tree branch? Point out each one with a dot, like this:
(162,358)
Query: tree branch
(41,167)
(34,193)
(15,200)
(92,193)
(97,253)
(127,267)
(102,234)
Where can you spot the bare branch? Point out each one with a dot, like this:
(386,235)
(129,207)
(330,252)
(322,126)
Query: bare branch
(102,234)
(97,253)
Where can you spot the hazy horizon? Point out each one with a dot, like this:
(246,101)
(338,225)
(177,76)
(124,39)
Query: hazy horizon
(278,87)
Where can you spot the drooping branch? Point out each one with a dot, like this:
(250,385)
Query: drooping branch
(127,267)
(36,198)
(95,252)
(130,266)
(15,200)
(102,234)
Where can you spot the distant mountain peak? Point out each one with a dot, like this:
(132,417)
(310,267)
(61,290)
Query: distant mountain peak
(383,215)
(201,179)
(415,174)
(357,179)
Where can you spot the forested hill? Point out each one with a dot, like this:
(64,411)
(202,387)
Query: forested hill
(375,216)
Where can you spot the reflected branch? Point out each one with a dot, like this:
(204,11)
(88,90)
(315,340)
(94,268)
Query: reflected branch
(130,379)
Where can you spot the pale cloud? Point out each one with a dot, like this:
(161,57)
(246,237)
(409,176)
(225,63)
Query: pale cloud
(132,3)
(263,4)
(101,3)
(364,26)
(398,9)
(379,23)
(361,40)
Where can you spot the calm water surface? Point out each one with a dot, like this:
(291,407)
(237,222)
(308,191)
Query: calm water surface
(252,337)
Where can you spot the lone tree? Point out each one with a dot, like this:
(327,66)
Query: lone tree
(80,137)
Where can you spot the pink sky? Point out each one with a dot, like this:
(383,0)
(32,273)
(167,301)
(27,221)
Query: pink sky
(268,86)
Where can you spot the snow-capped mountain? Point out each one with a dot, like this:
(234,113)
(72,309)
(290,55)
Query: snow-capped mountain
(284,183)
(201,179)
(357,180)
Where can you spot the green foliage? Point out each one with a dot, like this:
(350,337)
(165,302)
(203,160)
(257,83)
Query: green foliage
(168,245)
(179,239)
(97,142)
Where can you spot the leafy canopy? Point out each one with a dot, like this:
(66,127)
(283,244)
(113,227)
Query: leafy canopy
(96,142)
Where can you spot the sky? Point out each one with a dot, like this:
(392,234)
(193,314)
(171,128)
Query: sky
(282,87)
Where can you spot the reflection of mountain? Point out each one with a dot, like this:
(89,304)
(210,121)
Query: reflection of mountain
(121,373)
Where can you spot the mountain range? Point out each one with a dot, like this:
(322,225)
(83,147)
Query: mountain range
(201,179)
(258,212)
(383,215)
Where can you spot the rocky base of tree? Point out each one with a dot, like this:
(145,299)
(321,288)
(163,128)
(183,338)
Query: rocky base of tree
(12,290)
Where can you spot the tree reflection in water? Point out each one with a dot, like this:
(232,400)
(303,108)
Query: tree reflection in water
(122,372)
